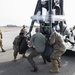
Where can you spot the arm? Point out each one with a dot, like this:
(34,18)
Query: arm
(15,42)
(30,43)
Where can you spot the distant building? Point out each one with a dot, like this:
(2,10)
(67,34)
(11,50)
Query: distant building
(11,25)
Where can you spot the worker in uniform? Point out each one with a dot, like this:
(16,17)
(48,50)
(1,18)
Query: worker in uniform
(59,49)
(23,30)
(16,45)
(1,42)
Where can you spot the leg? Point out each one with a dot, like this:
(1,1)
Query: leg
(24,55)
(53,58)
(30,59)
(15,53)
(55,68)
(1,46)
(2,49)
(56,60)
(43,59)
(60,53)
(59,61)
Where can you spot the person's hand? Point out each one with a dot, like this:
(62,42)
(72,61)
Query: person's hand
(29,43)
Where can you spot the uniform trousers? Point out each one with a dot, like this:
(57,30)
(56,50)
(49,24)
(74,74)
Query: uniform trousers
(33,54)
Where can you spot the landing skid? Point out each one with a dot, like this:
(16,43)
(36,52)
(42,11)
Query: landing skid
(70,50)
(70,46)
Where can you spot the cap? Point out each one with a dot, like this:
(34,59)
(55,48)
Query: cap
(24,26)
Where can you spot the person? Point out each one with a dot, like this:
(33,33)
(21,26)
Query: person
(74,27)
(38,41)
(16,44)
(59,49)
(1,36)
(70,37)
(23,30)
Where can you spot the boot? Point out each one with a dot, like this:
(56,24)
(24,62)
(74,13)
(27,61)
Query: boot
(35,69)
(2,49)
(44,59)
(24,56)
(14,58)
(54,71)
(55,68)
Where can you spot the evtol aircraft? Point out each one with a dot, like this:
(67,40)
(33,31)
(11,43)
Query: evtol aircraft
(50,13)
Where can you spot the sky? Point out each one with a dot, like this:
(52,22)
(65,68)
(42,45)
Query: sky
(69,11)
(18,12)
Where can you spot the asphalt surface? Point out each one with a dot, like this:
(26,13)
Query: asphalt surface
(23,67)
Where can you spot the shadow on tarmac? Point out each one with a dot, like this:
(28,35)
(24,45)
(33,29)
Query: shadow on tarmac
(23,67)
(70,53)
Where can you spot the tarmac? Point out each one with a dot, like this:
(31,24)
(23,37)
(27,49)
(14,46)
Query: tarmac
(23,67)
